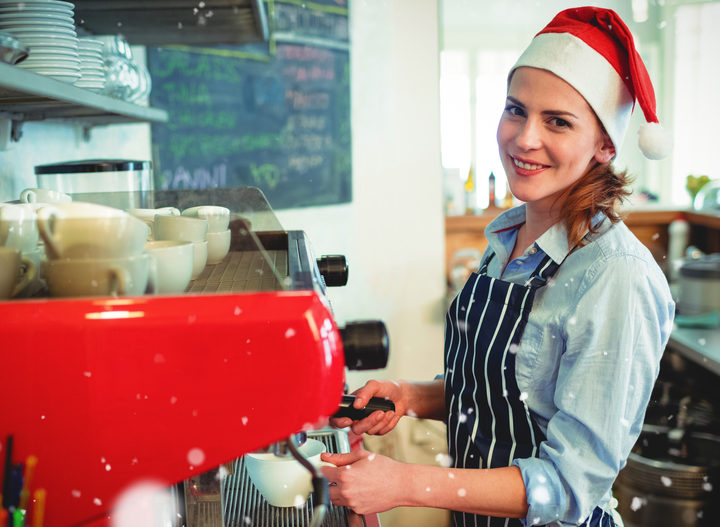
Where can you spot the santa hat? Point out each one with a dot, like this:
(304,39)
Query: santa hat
(593,50)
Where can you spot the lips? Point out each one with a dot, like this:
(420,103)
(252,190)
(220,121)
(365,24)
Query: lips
(526,167)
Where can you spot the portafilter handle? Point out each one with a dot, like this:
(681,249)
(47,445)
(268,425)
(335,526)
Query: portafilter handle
(374,404)
(366,345)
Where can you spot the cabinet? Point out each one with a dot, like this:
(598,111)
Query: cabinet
(650,226)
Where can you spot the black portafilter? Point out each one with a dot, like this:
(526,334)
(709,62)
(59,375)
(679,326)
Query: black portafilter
(334,269)
(367,347)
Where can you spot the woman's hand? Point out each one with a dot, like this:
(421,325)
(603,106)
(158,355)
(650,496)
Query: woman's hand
(377,423)
(365,482)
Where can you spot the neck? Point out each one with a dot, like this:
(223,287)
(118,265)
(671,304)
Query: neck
(538,220)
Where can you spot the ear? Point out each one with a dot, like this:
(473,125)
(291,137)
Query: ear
(606,151)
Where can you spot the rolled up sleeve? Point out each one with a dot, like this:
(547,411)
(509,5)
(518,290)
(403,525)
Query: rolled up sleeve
(613,339)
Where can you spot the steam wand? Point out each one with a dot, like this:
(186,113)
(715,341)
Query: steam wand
(321,491)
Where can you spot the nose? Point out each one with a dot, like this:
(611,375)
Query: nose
(529,135)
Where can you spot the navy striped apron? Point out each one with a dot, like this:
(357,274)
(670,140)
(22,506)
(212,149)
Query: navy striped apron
(489,424)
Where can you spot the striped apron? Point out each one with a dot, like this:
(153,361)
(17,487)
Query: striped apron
(489,424)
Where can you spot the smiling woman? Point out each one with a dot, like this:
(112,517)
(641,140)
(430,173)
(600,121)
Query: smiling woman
(548,371)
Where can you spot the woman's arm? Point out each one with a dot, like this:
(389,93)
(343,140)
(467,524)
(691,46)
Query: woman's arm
(370,483)
(416,399)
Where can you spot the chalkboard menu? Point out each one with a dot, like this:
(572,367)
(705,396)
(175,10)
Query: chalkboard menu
(275,116)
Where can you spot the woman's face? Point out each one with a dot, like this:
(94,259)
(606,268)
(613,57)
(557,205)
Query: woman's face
(548,136)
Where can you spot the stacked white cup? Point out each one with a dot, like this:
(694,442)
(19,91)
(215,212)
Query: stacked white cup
(20,257)
(94,250)
(218,235)
(185,229)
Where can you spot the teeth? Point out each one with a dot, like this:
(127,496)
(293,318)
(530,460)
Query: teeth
(526,166)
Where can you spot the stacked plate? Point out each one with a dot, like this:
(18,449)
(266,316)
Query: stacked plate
(92,65)
(47,28)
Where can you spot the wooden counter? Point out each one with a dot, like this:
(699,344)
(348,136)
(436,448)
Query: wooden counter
(650,226)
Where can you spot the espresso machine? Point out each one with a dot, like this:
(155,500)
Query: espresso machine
(105,393)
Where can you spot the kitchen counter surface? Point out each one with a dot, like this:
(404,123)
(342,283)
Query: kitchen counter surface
(699,345)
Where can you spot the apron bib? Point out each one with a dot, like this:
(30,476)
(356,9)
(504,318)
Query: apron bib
(489,424)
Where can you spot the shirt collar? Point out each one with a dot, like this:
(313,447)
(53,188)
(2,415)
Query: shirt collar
(552,242)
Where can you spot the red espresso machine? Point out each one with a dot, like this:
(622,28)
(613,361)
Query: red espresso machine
(102,394)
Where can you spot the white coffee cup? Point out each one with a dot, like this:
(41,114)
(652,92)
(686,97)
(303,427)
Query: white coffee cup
(43,195)
(37,283)
(200,255)
(148,216)
(126,276)
(218,217)
(18,226)
(283,481)
(87,230)
(182,228)
(16,272)
(173,263)
(218,246)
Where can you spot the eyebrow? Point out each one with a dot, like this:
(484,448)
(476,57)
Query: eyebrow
(557,113)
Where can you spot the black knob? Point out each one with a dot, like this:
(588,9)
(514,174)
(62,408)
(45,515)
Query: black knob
(334,269)
(366,345)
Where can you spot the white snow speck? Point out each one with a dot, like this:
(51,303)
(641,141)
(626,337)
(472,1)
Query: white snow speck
(514,348)
(443,460)
(244,420)
(75,493)
(636,503)
(462,493)
(427,489)
(140,502)
(371,457)
(196,456)
(289,333)
(173,400)
(222,473)
(97,501)
(462,418)
(237,311)
(87,374)
(108,467)
(451,475)
(299,501)
(666,481)
(523,396)
(707,487)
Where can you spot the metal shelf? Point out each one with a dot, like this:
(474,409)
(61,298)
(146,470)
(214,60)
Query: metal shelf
(183,22)
(28,96)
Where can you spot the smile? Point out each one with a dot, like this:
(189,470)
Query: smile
(526,166)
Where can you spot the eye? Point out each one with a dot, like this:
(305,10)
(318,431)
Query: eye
(513,109)
(560,123)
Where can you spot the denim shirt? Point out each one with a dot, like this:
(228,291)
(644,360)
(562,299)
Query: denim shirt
(587,361)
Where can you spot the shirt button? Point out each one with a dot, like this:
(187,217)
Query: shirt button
(532,250)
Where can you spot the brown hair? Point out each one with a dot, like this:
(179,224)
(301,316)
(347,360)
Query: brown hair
(602,189)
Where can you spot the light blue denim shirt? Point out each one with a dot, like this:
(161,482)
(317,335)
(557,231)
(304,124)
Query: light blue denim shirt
(587,361)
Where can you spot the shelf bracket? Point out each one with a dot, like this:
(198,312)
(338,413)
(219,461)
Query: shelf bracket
(10,130)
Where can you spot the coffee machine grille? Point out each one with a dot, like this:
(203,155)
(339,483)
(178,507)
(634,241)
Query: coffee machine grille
(244,506)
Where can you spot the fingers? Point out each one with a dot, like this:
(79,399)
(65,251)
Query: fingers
(363,426)
(371,389)
(384,424)
(341,422)
(341,460)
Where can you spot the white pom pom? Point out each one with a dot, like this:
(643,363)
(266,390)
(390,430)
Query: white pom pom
(655,142)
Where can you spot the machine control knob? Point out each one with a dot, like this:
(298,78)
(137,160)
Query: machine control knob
(366,344)
(334,269)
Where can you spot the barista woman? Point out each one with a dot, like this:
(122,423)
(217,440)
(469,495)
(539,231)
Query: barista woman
(553,346)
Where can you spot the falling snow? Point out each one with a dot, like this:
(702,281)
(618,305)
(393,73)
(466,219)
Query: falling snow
(443,460)
(523,396)
(244,420)
(451,475)
(196,456)
(666,481)
(371,457)
(237,311)
(289,333)
(462,418)
(462,493)
(75,493)
(514,348)
(299,501)
(97,501)
(87,374)
(637,503)
(140,502)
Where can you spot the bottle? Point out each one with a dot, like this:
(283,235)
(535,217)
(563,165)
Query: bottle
(470,194)
(508,200)
(491,191)
(679,238)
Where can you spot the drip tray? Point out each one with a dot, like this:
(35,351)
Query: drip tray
(241,505)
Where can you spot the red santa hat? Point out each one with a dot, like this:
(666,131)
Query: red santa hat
(593,50)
